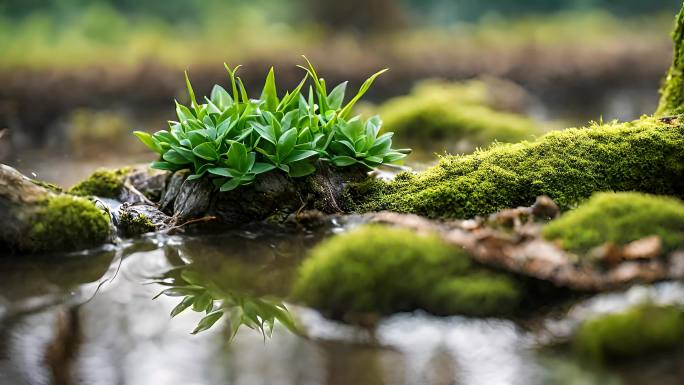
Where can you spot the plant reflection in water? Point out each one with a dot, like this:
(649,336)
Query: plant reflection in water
(200,294)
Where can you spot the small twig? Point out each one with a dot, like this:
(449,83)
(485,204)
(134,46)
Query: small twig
(141,196)
(191,221)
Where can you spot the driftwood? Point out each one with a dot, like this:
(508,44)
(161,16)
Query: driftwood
(511,240)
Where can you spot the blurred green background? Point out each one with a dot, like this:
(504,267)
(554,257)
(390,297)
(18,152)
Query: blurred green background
(78,76)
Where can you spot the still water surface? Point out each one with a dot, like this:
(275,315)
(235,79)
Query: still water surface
(90,318)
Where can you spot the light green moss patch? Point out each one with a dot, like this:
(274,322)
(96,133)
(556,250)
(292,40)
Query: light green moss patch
(645,155)
(68,223)
(672,91)
(384,270)
(619,218)
(102,183)
(454,111)
(635,332)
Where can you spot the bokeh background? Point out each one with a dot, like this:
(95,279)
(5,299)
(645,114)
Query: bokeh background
(77,76)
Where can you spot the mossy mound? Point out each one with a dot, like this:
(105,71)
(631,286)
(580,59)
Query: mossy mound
(102,183)
(635,332)
(383,270)
(68,223)
(454,111)
(619,218)
(646,155)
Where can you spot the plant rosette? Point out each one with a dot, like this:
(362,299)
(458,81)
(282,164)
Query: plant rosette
(232,139)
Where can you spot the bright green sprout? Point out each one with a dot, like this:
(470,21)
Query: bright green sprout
(232,139)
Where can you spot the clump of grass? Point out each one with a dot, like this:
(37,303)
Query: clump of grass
(619,218)
(234,138)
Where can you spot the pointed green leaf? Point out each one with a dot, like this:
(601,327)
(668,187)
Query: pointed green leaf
(191,92)
(336,96)
(286,143)
(208,321)
(268,94)
(206,151)
(260,168)
(364,87)
(184,304)
(301,168)
(148,141)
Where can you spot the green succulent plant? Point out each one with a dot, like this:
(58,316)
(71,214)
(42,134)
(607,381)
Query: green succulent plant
(232,138)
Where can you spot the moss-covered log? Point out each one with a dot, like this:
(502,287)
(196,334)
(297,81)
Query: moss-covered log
(672,91)
(36,219)
(645,155)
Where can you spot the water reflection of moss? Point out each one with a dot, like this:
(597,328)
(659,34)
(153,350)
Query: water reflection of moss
(384,270)
(635,332)
(619,218)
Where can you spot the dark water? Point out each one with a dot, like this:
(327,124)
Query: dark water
(90,318)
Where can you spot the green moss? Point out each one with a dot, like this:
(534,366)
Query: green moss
(456,112)
(637,331)
(645,155)
(672,91)
(49,186)
(384,270)
(68,223)
(132,225)
(619,218)
(102,183)
(477,294)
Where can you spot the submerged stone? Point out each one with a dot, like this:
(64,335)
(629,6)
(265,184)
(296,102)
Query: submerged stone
(383,270)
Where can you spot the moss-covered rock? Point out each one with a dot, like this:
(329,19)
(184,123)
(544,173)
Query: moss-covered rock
(672,91)
(619,218)
(384,270)
(645,155)
(66,223)
(132,224)
(458,112)
(635,332)
(102,183)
